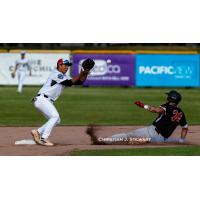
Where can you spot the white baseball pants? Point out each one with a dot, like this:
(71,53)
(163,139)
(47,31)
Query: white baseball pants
(46,107)
(21,75)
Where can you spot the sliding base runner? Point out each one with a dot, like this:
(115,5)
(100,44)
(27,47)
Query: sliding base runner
(169,117)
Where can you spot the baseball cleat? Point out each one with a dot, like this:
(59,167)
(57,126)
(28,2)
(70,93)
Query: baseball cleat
(46,142)
(36,136)
(91,132)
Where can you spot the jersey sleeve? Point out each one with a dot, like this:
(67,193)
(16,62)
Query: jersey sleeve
(67,82)
(59,77)
(183,121)
(164,107)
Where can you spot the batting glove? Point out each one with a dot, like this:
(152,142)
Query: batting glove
(139,103)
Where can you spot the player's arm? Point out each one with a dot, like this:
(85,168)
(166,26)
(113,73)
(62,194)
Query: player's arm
(152,109)
(87,65)
(80,79)
(184,131)
(16,67)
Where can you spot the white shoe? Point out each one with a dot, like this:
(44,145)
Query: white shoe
(36,137)
(46,142)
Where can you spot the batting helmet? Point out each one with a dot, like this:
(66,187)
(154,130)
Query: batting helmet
(174,96)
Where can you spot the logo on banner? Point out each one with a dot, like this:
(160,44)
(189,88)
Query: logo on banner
(156,70)
(103,67)
(167,70)
(36,66)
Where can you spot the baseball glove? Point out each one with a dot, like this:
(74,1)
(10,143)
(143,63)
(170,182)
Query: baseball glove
(88,64)
(13,74)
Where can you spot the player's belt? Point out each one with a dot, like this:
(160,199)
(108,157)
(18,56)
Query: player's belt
(45,96)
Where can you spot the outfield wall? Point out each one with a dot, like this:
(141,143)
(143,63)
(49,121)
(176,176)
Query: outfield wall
(167,70)
(112,68)
(142,68)
(41,62)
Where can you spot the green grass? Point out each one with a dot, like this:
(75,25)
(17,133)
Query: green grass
(165,151)
(103,106)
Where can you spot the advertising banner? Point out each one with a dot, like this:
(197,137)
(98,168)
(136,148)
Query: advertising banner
(41,65)
(167,70)
(109,70)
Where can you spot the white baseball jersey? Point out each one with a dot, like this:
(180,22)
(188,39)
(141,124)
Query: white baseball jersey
(52,88)
(23,64)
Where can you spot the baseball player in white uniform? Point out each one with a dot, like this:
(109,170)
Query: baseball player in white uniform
(51,90)
(21,68)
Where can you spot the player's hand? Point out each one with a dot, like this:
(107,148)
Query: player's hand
(139,103)
(84,72)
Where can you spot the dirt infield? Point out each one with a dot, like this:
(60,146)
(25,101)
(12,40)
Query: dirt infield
(69,138)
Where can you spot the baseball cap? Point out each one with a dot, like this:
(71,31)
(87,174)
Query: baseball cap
(64,62)
(23,52)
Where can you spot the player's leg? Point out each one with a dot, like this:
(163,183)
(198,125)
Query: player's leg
(18,78)
(21,76)
(147,134)
(140,132)
(118,138)
(43,127)
(45,106)
(126,137)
